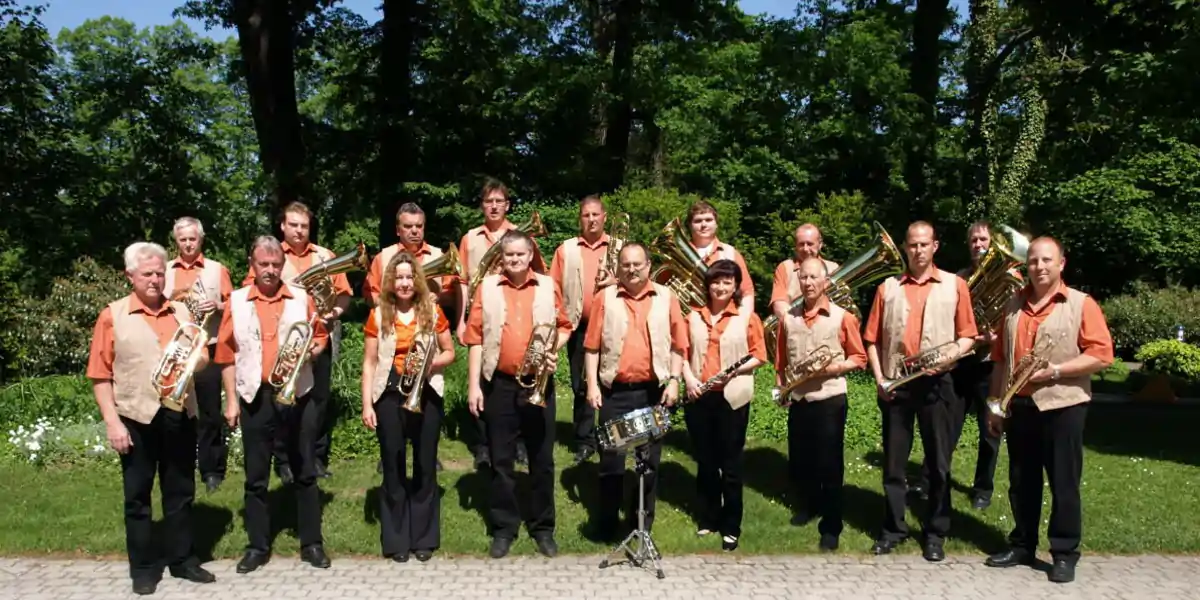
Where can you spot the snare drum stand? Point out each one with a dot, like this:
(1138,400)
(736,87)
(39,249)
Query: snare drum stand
(645,547)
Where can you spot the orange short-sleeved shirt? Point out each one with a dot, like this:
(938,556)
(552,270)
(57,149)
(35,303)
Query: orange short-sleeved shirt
(712,354)
(537,265)
(301,261)
(635,364)
(374,281)
(518,326)
(592,255)
(848,336)
(917,292)
(186,275)
(404,332)
(103,351)
(270,311)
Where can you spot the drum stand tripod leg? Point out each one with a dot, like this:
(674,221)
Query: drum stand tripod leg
(645,544)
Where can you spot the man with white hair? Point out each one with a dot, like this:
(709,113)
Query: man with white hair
(207,281)
(127,344)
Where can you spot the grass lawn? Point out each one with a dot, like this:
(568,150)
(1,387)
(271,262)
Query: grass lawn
(1141,494)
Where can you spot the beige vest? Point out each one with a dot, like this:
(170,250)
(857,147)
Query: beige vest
(495,313)
(616,324)
(572,284)
(386,355)
(386,255)
(248,365)
(793,280)
(1064,322)
(477,246)
(937,323)
(802,340)
(734,345)
(136,354)
(210,278)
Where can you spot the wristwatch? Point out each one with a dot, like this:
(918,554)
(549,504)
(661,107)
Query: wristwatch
(1057,373)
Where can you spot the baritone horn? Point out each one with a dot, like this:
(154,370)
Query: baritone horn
(682,265)
(416,369)
(1037,359)
(490,262)
(177,366)
(996,278)
(448,263)
(533,373)
(616,240)
(796,375)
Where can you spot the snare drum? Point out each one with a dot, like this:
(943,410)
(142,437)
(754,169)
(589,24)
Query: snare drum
(635,428)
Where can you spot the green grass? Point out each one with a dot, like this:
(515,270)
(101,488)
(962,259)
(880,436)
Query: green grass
(1141,494)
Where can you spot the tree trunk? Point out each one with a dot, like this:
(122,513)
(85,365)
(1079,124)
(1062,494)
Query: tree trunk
(620,110)
(395,140)
(929,20)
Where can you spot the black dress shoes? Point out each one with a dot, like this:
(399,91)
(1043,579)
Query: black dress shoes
(1063,571)
(546,545)
(400,557)
(933,551)
(315,556)
(193,573)
(144,587)
(981,502)
(884,546)
(1010,558)
(251,561)
(424,555)
(500,546)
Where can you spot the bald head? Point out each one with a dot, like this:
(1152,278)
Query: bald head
(814,278)
(808,241)
(1045,263)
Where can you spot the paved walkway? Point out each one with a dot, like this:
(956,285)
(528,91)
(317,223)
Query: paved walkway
(723,577)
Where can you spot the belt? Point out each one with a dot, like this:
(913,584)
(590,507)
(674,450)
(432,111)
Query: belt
(624,386)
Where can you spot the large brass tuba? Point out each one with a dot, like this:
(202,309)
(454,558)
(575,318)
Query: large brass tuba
(317,280)
(1022,372)
(803,371)
(533,373)
(882,259)
(682,264)
(617,235)
(177,366)
(416,368)
(995,280)
(913,367)
(490,262)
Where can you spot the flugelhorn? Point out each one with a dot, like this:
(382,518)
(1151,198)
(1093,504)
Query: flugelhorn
(918,365)
(177,366)
(416,368)
(617,235)
(1037,359)
(805,370)
(995,280)
(682,264)
(490,262)
(882,259)
(533,373)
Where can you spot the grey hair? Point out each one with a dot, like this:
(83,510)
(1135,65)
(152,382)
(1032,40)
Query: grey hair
(136,252)
(267,242)
(185,222)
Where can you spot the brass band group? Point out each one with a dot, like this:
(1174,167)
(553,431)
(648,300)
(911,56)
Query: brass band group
(648,329)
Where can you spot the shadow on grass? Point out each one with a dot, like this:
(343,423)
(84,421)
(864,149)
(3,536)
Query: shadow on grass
(209,525)
(1162,432)
(282,511)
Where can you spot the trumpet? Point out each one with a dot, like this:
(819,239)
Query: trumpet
(995,280)
(416,368)
(616,240)
(177,366)
(1037,359)
(801,372)
(682,264)
(490,262)
(915,366)
(533,373)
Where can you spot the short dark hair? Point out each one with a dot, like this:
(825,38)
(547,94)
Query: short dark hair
(516,235)
(701,207)
(491,184)
(719,270)
(409,208)
(980,224)
(298,208)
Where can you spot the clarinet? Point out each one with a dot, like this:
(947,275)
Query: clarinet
(708,385)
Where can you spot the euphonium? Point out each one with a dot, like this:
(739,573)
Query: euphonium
(803,371)
(882,259)
(533,373)
(317,280)
(1022,372)
(179,360)
(682,264)
(416,368)
(916,366)
(995,280)
(448,263)
(616,240)
(490,262)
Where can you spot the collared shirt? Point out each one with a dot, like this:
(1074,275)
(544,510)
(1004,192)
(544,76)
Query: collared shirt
(301,261)
(916,291)
(518,322)
(538,264)
(635,364)
(269,310)
(374,281)
(591,256)
(404,332)
(712,256)
(103,351)
(712,354)
(186,275)
(848,336)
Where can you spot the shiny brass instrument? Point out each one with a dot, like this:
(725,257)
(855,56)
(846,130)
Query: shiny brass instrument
(682,264)
(803,371)
(617,235)
(449,263)
(294,348)
(1037,359)
(913,367)
(490,262)
(177,366)
(995,280)
(883,259)
(711,382)
(533,373)
(416,369)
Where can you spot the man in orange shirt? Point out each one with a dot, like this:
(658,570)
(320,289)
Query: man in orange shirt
(498,334)
(817,408)
(127,344)
(635,344)
(920,310)
(410,228)
(577,270)
(786,287)
(255,322)
(1046,417)
(192,272)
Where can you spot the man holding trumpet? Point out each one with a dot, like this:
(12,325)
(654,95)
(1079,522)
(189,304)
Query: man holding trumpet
(254,325)
(920,323)
(1053,338)
(512,339)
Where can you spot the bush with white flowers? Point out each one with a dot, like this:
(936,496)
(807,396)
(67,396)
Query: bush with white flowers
(49,441)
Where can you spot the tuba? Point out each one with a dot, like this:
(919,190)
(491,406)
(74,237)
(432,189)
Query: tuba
(883,259)
(616,241)
(533,373)
(681,265)
(317,280)
(913,367)
(178,363)
(995,280)
(448,263)
(1022,372)
(490,262)
(416,368)
(801,372)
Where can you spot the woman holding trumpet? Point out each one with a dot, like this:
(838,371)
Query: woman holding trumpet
(726,346)
(402,389)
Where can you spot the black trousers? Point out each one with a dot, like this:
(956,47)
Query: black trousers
(971,381)
(508,416)
(718,434)
(931,402)
(583,415)
(261,420)
(211,451)
(409,508)
(166,447)
(816,458)
(320,398)
(1050,441)
(618,400)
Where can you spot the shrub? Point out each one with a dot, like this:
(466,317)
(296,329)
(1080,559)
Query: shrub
(1151,314)
(59,397)
(1171,357)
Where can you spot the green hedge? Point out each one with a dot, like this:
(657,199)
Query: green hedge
(1151,314)
(1171,357)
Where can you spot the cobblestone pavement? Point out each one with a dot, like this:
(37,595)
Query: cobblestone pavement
(902,577)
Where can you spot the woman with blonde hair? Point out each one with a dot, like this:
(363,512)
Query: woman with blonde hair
(409,507)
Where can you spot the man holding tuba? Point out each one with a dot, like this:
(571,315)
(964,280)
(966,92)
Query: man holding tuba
(635,344)
(257,333)
(407,345)
(821,345)
(582,266)
(207,281)
(524,310)
(1057,337)
(921,321)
